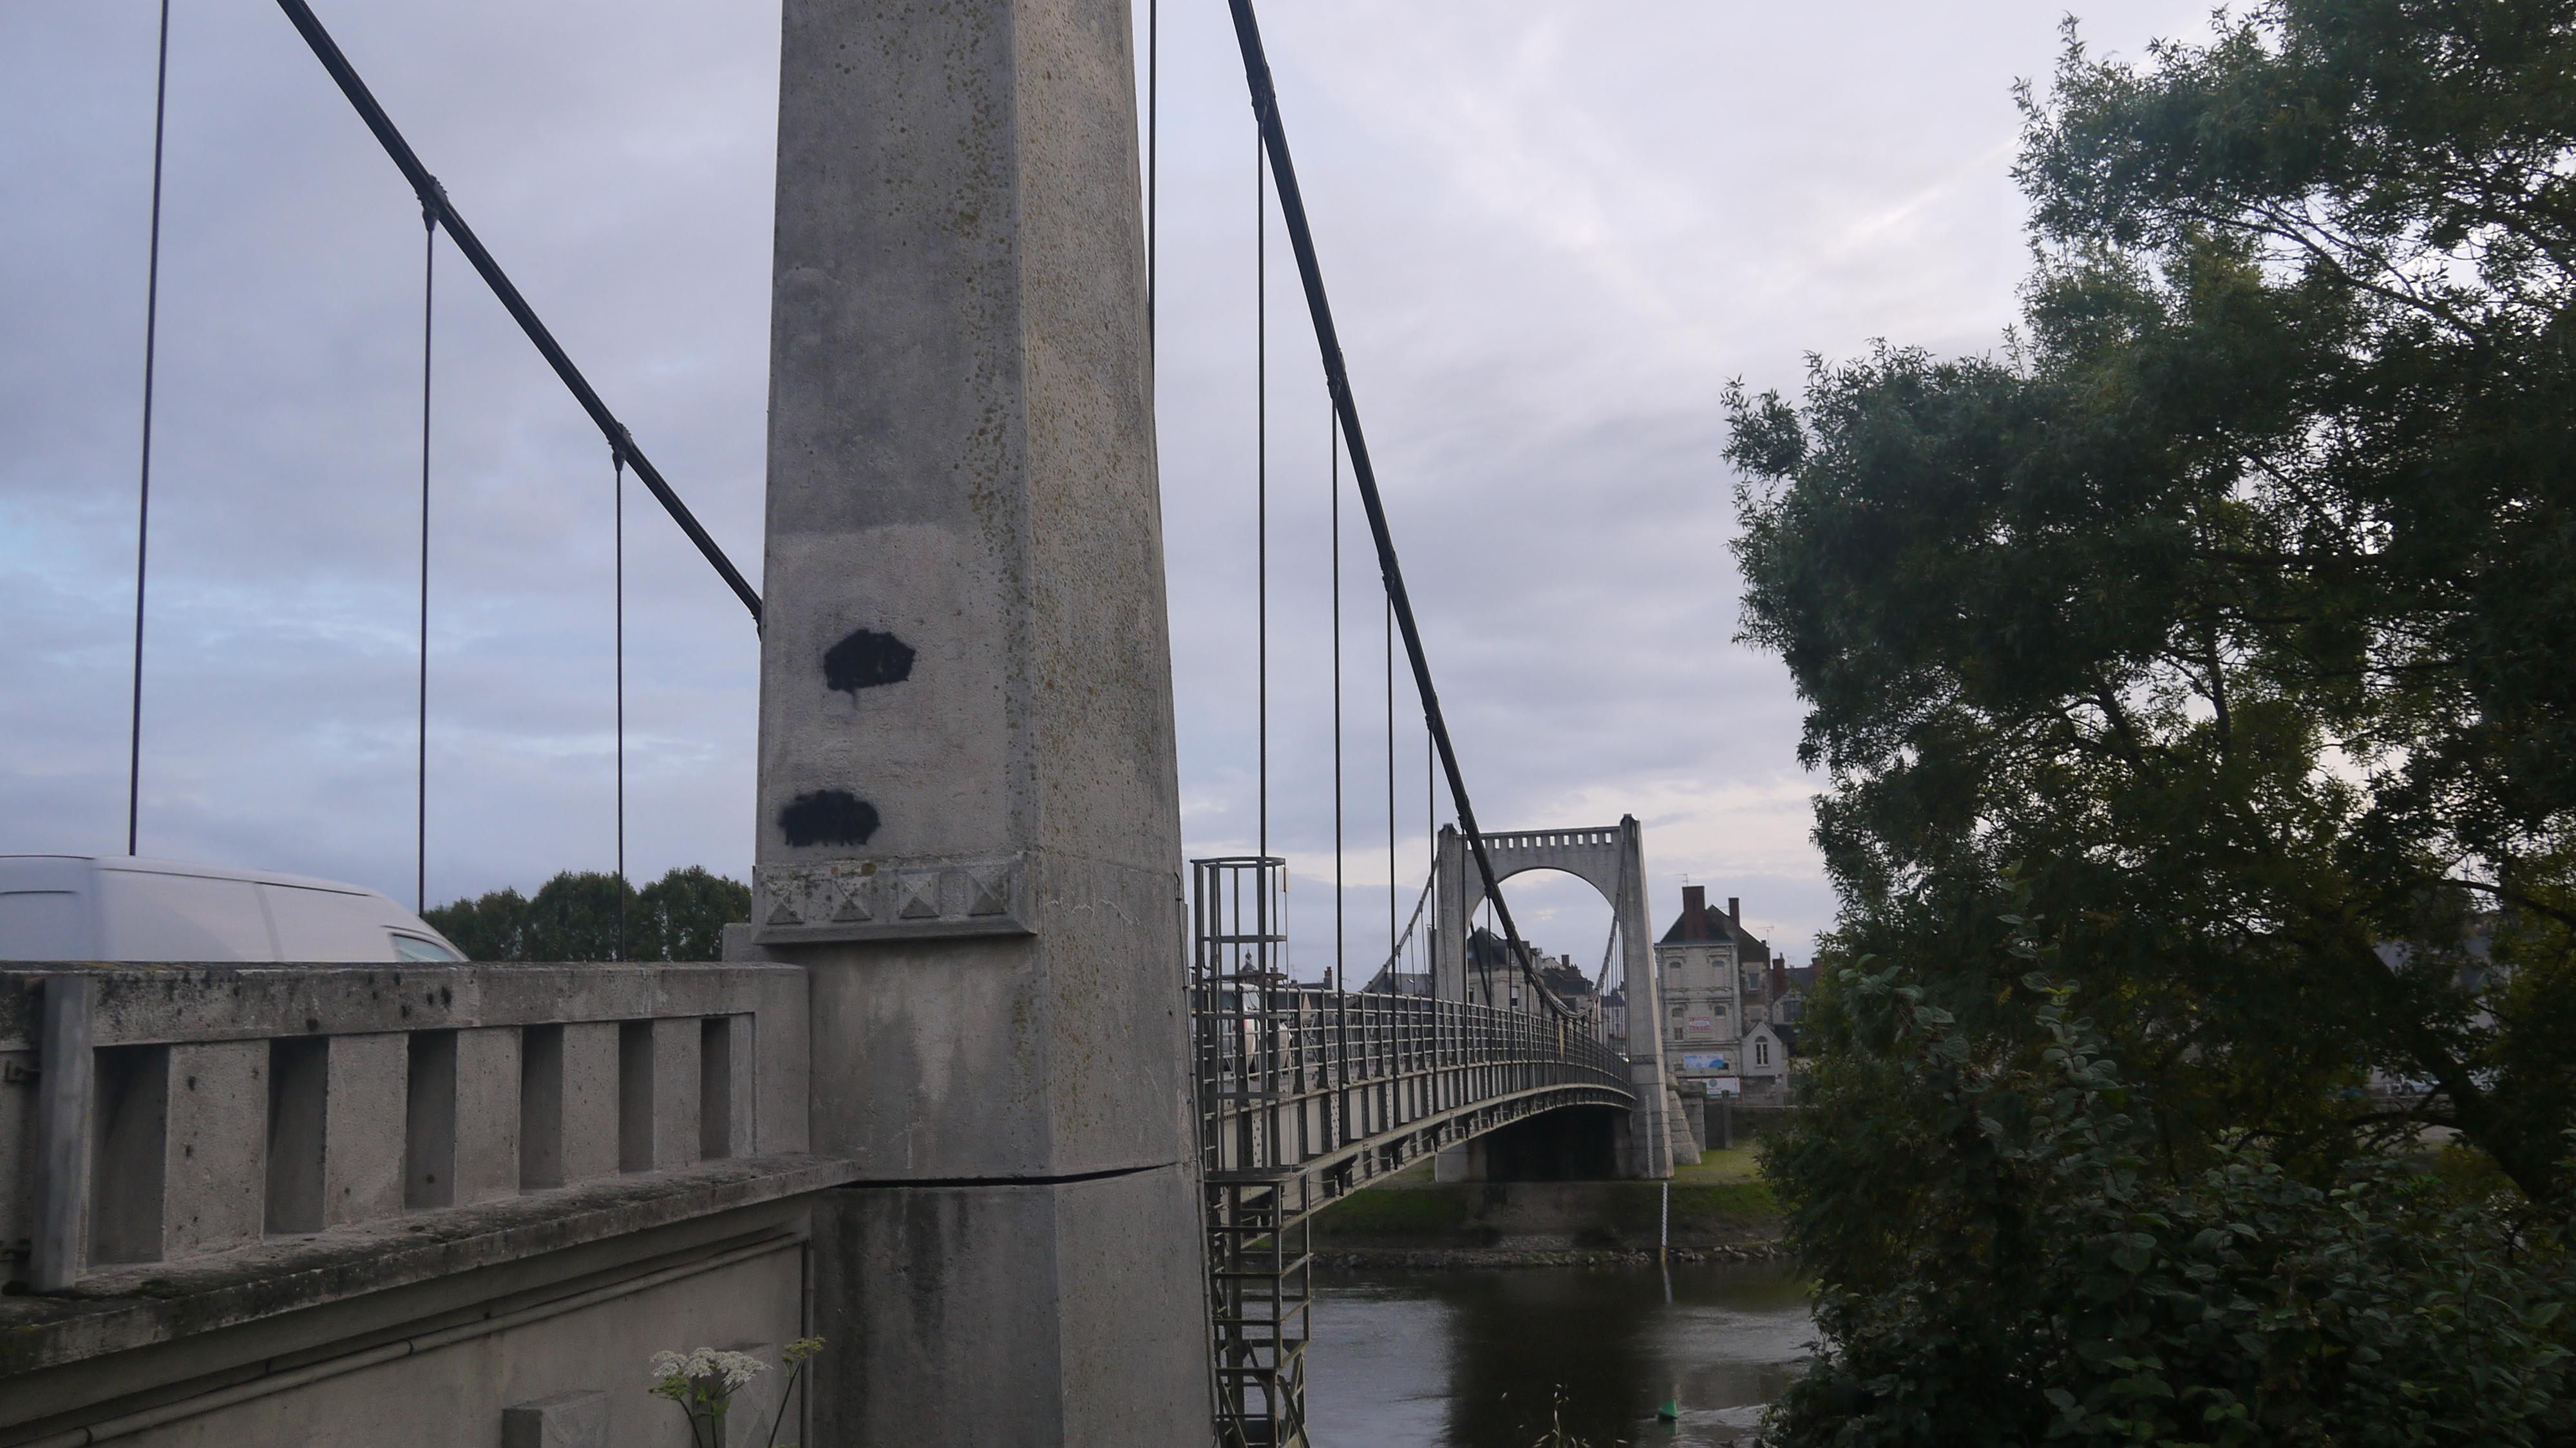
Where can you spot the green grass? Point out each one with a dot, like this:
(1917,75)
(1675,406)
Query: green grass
(1389,1210)
(1740,1164)
(1721,1196)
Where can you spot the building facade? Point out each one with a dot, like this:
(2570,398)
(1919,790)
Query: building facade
(1716,979)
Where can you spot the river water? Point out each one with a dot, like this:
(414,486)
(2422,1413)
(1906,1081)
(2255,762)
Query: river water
(1481,1359)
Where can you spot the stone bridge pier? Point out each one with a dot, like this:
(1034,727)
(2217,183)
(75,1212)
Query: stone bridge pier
(968,804)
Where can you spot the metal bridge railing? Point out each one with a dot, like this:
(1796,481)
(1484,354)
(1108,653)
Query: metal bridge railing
(1306,1093)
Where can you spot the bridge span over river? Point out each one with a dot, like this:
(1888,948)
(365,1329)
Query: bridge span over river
(1022,1123)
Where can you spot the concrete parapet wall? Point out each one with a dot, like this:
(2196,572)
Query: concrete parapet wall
(198,1110)
(418,1205)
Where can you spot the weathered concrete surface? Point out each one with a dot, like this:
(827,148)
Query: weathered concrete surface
(136,1307)
(454,1387)
(140,1004)
(362,1162)
(56,1217)
(565,1420)
(487,1114)
(1016,1314)
(968,819)
(217,1145)
(1685,1145)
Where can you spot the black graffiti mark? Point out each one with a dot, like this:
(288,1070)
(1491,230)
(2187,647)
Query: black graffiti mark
(828,817)
(866,659)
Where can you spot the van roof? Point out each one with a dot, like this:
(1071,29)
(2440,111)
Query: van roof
(136,864)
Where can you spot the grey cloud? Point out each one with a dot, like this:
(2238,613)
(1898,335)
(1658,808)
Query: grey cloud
(1553,231)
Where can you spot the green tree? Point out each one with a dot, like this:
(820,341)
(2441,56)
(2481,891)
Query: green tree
(574,916)
(486,927)
(2016,1268)
(2235,595)
(687,910)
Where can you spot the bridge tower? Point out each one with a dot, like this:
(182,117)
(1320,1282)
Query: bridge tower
(968,801)
(1612,860)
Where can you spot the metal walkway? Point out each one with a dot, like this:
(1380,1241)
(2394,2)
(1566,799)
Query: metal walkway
(1306,1094)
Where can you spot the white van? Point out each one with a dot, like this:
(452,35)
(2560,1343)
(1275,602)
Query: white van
(81,907)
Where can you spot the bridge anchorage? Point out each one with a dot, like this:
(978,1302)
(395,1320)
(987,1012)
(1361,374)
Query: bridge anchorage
(1306,1093)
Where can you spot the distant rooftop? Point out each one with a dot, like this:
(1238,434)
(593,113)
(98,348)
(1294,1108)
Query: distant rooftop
(1697,923)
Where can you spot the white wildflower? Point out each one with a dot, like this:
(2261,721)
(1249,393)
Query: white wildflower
(736,1368)
(721,1373)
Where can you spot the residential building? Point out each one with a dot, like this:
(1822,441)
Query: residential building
(1716,980)
(1767,1051)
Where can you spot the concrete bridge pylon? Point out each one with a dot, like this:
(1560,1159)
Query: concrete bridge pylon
(1612,860)
(968,813)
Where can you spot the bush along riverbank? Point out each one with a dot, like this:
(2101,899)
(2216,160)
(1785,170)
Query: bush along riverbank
(1720,1212)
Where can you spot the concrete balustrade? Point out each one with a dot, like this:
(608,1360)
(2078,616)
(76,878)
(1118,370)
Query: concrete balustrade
(156,1114)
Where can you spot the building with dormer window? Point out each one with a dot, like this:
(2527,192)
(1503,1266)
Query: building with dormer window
(1716,979)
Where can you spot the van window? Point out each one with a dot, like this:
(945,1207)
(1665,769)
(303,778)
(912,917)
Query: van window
(41,925)
(181,918)
(414,947)
(324,925)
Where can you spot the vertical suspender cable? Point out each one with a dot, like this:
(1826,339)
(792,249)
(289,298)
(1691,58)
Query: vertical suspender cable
(143,506)
(1391,871)
(1334,1117)
(1333,447)
(471,248)
(1261,468)
(617,510)
(420,762)
(1301,240)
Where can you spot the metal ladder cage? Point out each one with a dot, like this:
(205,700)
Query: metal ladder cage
(1259,1044)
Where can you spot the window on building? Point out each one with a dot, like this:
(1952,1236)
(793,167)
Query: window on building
(1761,1052)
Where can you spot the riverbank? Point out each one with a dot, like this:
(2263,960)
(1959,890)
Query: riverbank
(1721,1211)
(1448,1259)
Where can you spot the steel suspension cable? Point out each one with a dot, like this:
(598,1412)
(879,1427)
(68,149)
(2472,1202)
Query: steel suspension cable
(1292,207)
(1391,871)
(617,509)
(420,736)
(143,504)
(1406,939)
(433,197)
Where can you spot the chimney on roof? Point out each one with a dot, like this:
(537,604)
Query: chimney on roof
(1694,911)
(1734,910)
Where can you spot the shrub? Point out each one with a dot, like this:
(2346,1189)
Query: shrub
(2004,1258)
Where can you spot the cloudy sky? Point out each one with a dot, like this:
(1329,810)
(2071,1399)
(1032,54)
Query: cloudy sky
(1553,230)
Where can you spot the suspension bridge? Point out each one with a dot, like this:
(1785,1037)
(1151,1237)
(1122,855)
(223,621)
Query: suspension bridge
(1025,1118)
